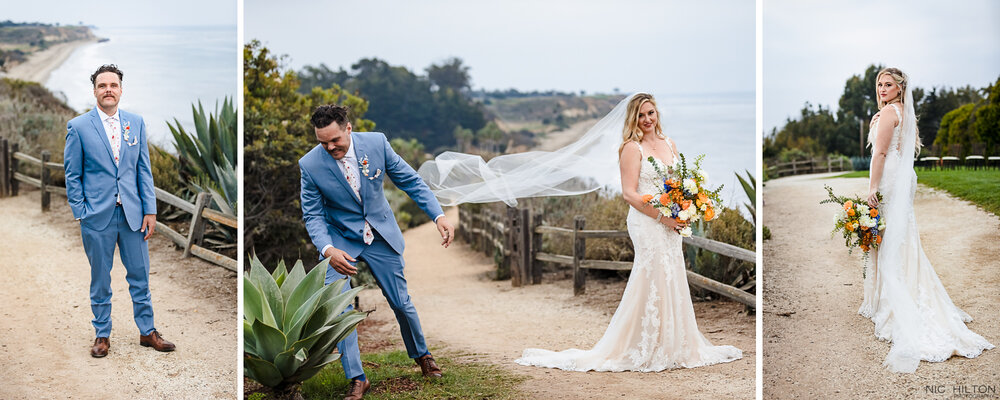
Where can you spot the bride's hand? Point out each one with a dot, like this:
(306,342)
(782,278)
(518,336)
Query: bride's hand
(873,198)
(673,223)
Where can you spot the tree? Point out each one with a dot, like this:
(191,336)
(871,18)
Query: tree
(277,133)
(407,105)
(449,75)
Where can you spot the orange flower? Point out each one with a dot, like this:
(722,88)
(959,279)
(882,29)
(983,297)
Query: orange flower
(878,239)
(646,198)
(665,199)
(850,212)
(863,247)
(685,204)
(848,205)
(849,227)
(709,214)
(873,213)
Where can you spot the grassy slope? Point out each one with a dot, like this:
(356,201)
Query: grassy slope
(395,376)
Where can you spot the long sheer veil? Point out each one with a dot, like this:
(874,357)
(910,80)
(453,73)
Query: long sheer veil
(586,165)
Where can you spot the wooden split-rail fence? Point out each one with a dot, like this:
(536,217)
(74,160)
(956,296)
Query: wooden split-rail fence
(11,177)
(515,240)
(810,166)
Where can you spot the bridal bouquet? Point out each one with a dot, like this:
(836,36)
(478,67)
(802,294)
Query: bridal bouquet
(861,226)
(682,194)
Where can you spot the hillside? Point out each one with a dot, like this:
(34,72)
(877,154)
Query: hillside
(548,113)
(19,40)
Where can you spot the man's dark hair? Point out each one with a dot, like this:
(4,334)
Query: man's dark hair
(106,68)
(327,114)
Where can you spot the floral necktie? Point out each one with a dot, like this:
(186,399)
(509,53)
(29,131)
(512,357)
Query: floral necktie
(352,179)
(116,142)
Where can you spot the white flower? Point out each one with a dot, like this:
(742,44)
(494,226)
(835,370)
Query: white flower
(694,214)
(690,185)
(686,232)
(862,209)
(683,215)
(866,221)
(840,215)
(702,174)
(703,207)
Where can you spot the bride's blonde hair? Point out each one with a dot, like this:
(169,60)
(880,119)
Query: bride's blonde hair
(903,81)
(631,132)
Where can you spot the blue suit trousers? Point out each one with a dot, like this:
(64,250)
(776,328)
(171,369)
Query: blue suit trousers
(134,252)
(387,267)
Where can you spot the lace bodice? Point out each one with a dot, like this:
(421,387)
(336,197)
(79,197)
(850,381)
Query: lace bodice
(894,147)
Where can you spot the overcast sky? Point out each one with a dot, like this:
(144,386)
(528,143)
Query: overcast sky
(670,47)
(811,48)
(123,13)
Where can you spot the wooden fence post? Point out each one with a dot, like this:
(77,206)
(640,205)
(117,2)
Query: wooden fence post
(4,168)
(46,178)
(510,239)
(197,231)
(14,147)
(579,252)
(536,246)
(527,244)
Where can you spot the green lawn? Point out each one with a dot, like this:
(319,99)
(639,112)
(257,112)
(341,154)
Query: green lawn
(981,187)
(395,376)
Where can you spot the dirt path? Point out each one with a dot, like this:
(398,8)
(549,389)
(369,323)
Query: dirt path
(469,317)
(815,343)
(45,330)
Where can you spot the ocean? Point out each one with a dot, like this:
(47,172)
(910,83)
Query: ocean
(166,70)
(720,126)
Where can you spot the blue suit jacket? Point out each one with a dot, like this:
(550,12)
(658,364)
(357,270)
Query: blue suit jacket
(332,213)
(93,179)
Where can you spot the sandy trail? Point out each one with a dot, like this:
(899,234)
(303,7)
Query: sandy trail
(815,343)
(45,330)
(469,317)
(40,65)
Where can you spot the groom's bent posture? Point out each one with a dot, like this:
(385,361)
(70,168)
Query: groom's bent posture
(109,185)
(349,218)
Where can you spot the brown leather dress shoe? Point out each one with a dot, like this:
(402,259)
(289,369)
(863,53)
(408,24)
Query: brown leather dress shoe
(357,389)
(154,340)
(428,367)
(101,346)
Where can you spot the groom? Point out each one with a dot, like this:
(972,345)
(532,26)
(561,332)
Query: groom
(348,218)
(109,186)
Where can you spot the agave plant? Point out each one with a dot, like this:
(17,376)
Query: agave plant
(208,157)
(750,188)
(292,323)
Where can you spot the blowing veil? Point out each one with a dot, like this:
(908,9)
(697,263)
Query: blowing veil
(586,165)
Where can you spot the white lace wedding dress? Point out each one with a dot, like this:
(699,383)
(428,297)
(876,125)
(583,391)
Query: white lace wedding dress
(654,327)
(902,294)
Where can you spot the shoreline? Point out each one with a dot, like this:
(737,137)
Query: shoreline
(41,64)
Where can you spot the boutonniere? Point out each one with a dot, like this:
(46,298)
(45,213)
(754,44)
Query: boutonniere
(130,140)
(365,170)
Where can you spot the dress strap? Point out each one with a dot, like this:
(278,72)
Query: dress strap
(896,109)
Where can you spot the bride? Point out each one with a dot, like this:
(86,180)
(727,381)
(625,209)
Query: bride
(902,294)
(654,327)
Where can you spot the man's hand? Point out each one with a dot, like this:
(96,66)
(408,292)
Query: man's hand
(446,230)
(339,261)
(148,225)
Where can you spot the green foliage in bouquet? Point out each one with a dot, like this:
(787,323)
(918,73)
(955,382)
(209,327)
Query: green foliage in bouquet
(292,323)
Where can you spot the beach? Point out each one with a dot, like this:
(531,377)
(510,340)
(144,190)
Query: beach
(41,64)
